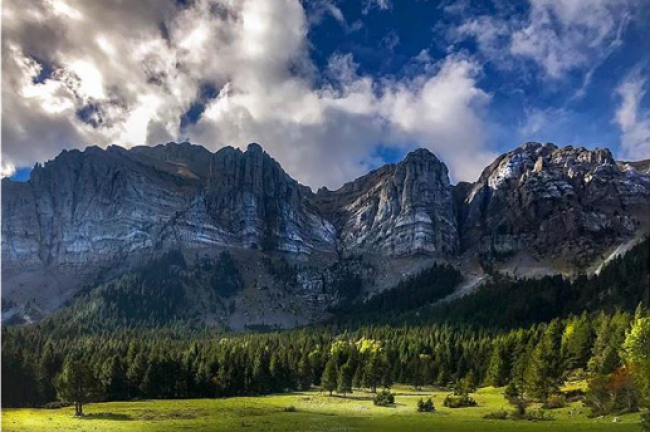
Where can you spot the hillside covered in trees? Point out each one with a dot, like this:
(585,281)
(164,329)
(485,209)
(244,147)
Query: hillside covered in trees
(529,335)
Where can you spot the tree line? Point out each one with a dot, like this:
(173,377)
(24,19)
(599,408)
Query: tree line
(506,301)
(611,351)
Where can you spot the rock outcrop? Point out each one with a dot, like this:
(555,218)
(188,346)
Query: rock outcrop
(92,206)
(553,202)
(91,215)
(399,209)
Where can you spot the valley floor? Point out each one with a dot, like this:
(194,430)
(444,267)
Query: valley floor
(314,412)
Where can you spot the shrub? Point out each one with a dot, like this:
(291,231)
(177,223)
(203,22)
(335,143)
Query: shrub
(465,386)
(555,401)
(498,415)
(574,395)
(516,398)
(384,398)
(426,406)
(645,420)
(459,401)
(538,415)
(613,393)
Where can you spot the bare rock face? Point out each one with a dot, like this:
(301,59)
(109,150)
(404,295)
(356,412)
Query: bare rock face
(553,202)
(88,216)
(85,212)
(250,196)
(399,209)
(635,168)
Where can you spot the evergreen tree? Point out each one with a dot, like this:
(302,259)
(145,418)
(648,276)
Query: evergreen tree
(49,365)
(344,381)
(114,380)
(497,373)
(515,396)
(152,381)
(261,376)
(545,371)
(577,341)
(636,351)
(135,374)
(330,376)
(77,384)
(357,380)
(373,372)
(305,374)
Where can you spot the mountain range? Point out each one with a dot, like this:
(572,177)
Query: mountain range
(252,246)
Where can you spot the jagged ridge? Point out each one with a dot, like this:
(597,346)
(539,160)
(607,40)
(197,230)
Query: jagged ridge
(99,213)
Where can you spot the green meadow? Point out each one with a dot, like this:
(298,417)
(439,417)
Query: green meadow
(313,412)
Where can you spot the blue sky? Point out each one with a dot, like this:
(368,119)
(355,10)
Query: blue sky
(329,88)
(387,42)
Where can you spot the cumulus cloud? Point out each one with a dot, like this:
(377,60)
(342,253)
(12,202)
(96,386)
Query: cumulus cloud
(633,116)
(79,72)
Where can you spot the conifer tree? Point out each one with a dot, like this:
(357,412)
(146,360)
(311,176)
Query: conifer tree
(48,367)
(577,341)
(372,373)
(357,379)
(344,381)
(305,377)
(329,379)
(636,351)
(135,374)
(114,380)
(77,384)
(497,372)
(545,371)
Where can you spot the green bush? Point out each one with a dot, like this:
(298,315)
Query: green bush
(426,406)
(556,401)
(384,398)
(645,420)
(538,415)
(575,395)
(498,415)
(459,401)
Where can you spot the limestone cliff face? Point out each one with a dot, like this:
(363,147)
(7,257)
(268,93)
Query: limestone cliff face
(553,202)
(92,206)
(88,207)
(399,209)
(92,215)
(261,207)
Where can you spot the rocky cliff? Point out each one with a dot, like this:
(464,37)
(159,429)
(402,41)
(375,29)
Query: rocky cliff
(554,202)
(88,216)
(399,209)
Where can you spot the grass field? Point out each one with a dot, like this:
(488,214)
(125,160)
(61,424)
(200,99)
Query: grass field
(314,412)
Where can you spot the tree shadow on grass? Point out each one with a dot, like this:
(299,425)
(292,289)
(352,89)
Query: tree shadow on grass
(107,416)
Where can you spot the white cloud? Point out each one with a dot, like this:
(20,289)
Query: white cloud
(633,117)
(369,5)
(490,34)
(558,35)
(338,126)
(565,35)
(7,169)
(132,72)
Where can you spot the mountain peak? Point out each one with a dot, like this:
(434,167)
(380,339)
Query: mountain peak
(254,148)
(421,153)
